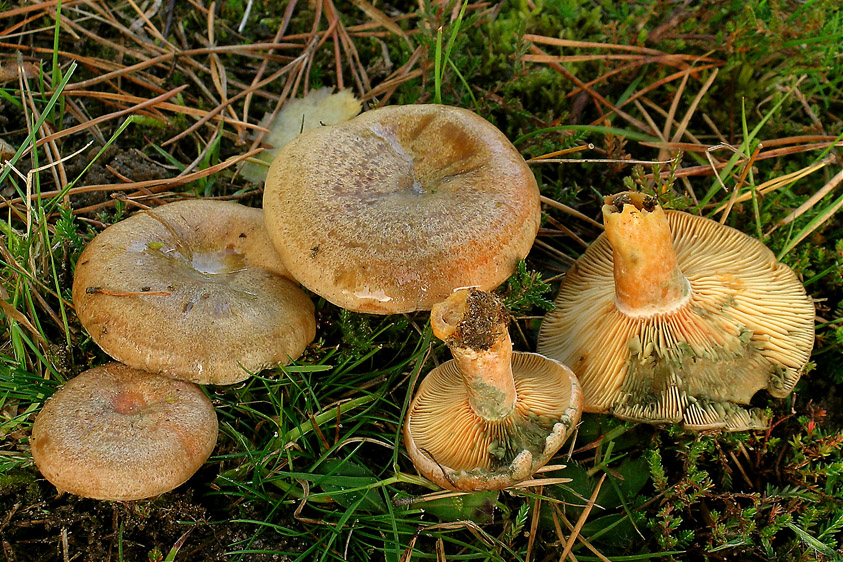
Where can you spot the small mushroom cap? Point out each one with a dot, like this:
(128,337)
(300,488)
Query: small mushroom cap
(116,433)
(393,210)
(193,290)
(452,446)
(747,325)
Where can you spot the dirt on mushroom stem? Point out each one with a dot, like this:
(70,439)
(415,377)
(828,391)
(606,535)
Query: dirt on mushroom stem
(483,323)
(473,325)
(511,422)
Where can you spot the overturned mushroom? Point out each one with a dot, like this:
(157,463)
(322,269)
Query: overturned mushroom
(193,290)
(117,433)
(490,417)
(392,211)
(670,317)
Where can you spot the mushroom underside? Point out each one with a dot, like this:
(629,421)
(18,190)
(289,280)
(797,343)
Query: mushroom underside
(747,326)
(458,449)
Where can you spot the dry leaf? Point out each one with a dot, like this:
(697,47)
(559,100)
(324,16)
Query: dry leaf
(319,107)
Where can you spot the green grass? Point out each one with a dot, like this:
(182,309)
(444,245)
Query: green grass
(311,464)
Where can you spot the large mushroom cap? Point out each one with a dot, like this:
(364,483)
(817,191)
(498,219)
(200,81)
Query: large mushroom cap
(490,417)
(193,290)
(116,433)
(662,348)
(392,211)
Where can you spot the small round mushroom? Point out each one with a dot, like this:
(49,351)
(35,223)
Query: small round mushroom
(193,290)
(117,433)
(392,211)
(490,417)
(670,317)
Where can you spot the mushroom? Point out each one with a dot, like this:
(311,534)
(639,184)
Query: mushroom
(393,210)
(192,290)
(490,417)
(670,317)
(117,433)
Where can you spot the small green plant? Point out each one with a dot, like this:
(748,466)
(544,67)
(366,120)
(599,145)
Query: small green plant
(525,291)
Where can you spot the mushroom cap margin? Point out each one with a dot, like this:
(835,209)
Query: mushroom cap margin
(393,210)
(451,446)
(219,306)
(83,446)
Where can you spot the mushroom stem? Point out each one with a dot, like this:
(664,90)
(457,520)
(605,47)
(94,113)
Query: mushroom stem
(648,280)
(474,326)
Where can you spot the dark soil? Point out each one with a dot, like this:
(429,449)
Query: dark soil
(40,525)
(111,166)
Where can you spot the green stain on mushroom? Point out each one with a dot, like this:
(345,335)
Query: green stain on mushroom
(489,401)
(518,432)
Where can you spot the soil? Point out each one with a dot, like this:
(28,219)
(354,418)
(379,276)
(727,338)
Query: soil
(40,525)
(129,164)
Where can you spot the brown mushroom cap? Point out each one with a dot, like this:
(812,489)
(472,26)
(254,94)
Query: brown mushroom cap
(470,429)
(193,290)
(116,433)
(745,323)
(392,211)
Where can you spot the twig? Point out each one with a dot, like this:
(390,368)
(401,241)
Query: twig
(813,200)
(113,293)
(570,211)
(747,167)
(117,114)
(594,95)
(534,523)
(581,521)
(152,184)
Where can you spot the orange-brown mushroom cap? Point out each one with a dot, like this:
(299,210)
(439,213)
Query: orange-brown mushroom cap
(193,290)
(117,433)
(692,348)
(392,211)
(464,434)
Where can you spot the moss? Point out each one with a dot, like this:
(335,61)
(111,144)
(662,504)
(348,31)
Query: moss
(16,479)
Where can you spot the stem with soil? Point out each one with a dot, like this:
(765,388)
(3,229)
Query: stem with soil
(474,326)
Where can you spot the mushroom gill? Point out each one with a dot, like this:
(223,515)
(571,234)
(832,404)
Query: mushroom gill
(490,417)
(670,317)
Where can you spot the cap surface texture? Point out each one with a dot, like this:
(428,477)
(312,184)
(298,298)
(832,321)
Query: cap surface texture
(117,433)
(193,290)
(392,211)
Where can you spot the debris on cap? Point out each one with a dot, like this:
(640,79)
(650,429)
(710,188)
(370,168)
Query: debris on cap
(193,290)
